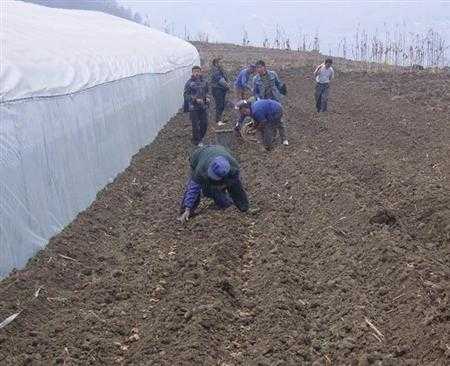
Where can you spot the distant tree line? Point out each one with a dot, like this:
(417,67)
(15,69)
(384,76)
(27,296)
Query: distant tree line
(105,6)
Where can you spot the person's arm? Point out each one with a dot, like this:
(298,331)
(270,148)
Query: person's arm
(223,83)
(238,194)
(187,90)
(193,190)
(207,98)
(278,82)
(332,74)
(259,117)
(316,72)
(256,89)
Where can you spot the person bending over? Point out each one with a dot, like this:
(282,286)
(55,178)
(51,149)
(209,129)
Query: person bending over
(214,174)
(267,115)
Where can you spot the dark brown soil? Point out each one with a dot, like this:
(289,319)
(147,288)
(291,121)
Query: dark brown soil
(344,258)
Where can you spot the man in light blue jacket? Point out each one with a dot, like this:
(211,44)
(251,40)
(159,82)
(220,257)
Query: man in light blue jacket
(244,82)
(267,84)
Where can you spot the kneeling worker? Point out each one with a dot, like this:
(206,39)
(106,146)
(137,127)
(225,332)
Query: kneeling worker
(267,115)
(215,173)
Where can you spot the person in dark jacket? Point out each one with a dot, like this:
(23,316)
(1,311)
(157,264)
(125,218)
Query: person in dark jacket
(219,88)
(267,84)
(244,82)
(196,102)
(215,174)
(267,116)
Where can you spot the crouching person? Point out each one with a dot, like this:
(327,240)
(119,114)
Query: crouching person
(215,174)
(267,115)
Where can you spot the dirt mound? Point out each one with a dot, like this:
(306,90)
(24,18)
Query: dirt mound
(343,258)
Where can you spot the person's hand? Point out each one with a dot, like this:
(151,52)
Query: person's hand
(185,216)
(208,100)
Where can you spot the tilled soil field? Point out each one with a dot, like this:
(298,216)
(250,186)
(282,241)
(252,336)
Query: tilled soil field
(343,259)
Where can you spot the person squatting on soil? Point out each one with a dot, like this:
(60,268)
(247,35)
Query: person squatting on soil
(196,102)
(244,82)
(267,116)
(324,73)
(267,84)
(215,174)
(219,88)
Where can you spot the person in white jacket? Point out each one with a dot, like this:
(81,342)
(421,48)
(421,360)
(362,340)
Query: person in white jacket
(324,73)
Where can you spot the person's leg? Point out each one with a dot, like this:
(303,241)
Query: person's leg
(268,132)
(282,131)
(203,123)
(220,104)
(317,96)
(195,121)
(221,198)
(216,95)
(324,98)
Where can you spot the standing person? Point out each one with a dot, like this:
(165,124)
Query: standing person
(267,115)
(324,73)
(219,88)
(267,84)
(244,82)
(215,173)
(196,102)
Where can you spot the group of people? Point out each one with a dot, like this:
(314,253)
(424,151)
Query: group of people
(214,171)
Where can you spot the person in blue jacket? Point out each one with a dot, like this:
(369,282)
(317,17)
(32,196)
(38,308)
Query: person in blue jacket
(215,174)
(244,82)
(267,116)
(267,84)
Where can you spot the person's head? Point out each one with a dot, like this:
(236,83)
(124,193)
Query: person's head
(244,108)
(218,168)
(261,67)
(196,71)
(252,68)
(217,61)
(328,62)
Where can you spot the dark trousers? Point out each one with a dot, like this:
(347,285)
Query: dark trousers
(219,99)
(321,96)
(269,131)
(199,120)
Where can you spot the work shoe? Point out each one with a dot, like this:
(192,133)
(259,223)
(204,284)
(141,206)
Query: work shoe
(286,143)
(201,144)
(220,123)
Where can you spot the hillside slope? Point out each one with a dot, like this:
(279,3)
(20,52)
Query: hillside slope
(344,258)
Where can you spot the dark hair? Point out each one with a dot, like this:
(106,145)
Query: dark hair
(328,61)
(196,68)
(216,61)
(260,63)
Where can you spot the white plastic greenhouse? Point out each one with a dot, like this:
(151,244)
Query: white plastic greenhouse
(81,92)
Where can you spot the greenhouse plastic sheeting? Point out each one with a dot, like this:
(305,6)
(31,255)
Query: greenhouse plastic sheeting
(58,150)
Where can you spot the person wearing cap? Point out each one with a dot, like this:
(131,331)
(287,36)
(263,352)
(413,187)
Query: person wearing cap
(244,82)
(196,102)
(267,84)
(267,115)
(324,73)
(219,88)
(215,174)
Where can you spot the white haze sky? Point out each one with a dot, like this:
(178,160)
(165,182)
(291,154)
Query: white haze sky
(224,20)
